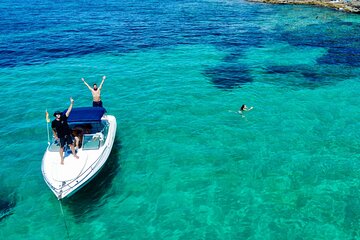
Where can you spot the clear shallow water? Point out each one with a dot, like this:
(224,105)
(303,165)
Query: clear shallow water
(184,165)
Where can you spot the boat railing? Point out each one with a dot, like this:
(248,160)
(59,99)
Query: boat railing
(85,174)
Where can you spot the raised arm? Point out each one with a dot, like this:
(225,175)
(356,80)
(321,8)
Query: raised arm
(102,82)
(70,107)
(86,84)
(248,109)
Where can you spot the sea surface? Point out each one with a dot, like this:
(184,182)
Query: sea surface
(185,165)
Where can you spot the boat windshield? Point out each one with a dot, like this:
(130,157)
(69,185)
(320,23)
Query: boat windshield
(93,135)
(96,139)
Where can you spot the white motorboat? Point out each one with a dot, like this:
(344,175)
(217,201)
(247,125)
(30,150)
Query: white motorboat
(96,131)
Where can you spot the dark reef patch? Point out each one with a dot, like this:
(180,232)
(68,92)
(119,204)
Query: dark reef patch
(6,207)
(313,76)
(227,77)
(348,55)
(337,36)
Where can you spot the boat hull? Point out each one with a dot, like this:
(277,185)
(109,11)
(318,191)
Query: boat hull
(65,180)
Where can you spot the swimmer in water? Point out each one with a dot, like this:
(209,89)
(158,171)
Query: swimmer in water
(243,109)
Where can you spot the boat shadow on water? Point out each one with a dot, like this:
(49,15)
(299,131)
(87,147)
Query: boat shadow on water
(94,194)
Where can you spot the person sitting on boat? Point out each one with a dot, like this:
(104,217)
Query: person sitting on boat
(95,91)
(77,134)
(244,108)
(62,131)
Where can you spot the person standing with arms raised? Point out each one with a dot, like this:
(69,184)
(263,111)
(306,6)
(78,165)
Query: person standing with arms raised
(95,91)
(62,131)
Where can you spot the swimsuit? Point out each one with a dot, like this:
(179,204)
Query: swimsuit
(97,104)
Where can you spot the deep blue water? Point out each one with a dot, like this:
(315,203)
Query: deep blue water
(41,31)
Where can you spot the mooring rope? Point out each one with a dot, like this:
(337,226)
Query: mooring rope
(62,212)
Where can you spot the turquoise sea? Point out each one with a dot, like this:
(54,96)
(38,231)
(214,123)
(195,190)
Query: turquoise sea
(185,165)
